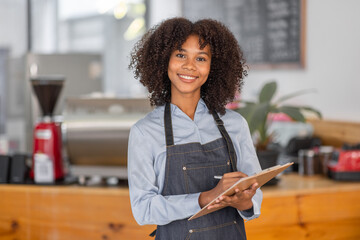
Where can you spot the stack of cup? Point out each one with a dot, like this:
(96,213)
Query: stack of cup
(314,161)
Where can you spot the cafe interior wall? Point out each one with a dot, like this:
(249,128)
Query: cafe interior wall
(332,53)
(332,67)
(331,58)
(13,39)
(117,79)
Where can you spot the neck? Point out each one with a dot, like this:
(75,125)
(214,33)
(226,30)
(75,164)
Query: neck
(187,105)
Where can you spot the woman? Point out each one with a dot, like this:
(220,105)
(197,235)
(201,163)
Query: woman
(191,70)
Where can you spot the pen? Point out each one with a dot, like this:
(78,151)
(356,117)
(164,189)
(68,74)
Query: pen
(218,177)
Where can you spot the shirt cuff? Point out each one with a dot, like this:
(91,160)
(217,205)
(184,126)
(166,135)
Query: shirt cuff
(194,200)
(251,213)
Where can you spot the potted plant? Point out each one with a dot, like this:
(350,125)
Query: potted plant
(257,114)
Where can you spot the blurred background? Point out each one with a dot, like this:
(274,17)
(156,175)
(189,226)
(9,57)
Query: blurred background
(95,38)
(86,44)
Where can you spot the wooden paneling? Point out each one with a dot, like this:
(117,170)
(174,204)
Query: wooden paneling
(344,205)
(34,212)
(329,230)
(270,212)
(334,215)
(336,133)
(303,208)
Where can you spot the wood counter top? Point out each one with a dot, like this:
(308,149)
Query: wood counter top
(291,184)
(296,208)
(65,189)
(308,207)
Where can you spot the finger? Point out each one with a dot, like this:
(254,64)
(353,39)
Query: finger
(250,192)
(220,199)
(254,186)
(247,193)
(237,193)
(217,204)
(226,199)
(241,195)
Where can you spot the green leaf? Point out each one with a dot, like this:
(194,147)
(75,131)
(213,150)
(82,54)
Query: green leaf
(245,111)
(267,92)
(273,109)
(294,94)
(248,103)
(310,109)
(258,117)
(293,112)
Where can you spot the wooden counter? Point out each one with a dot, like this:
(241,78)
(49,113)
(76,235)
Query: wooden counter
(308,208)
(297,208)
(66,212)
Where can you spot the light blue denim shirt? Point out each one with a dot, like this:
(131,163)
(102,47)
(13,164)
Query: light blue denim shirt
(147,158)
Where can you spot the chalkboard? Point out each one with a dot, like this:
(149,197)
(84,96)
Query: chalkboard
(270,32)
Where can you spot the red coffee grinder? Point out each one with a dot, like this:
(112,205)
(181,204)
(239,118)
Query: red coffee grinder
(47,165)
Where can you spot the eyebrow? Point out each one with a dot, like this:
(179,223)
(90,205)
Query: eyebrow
(183,50)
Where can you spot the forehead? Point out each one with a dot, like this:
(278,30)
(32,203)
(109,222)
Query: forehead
(194,41)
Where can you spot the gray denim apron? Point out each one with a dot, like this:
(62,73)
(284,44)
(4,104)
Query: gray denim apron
(190,168)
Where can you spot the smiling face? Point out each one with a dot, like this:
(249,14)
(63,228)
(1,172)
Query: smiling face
(189,68)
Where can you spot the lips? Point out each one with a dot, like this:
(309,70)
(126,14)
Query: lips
(187,78)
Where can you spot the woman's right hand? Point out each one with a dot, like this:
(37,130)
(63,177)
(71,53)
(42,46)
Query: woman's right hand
(226,181)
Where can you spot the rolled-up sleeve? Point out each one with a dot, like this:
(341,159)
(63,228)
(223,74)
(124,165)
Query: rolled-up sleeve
(148,205)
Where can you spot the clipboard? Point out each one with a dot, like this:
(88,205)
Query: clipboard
(261,178)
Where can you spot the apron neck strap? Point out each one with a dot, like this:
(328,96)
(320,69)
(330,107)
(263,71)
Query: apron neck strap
(168,125)
(229,144)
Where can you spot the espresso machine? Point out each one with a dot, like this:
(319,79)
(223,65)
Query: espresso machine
(47,161)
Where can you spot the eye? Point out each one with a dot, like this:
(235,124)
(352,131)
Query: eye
(201,59)
(180,55)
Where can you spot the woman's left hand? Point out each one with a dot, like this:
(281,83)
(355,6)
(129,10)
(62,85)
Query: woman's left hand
(241,200)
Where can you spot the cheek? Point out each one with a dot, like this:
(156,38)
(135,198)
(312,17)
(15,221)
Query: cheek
(173,66)
(172,71)
(205,70)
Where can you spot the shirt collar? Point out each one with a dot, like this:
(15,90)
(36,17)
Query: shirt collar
(201,107)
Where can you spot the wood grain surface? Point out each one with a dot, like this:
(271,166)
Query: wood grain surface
(336,133)
(297,208)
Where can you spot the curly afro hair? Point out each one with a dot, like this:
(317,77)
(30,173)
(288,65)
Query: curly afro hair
(151,54)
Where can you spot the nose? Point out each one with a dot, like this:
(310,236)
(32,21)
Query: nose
(189,65)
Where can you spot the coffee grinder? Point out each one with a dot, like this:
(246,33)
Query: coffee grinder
(47,162)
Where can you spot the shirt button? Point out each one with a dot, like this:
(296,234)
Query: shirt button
(184,168)
(228,163)
(190,231)
(235,222)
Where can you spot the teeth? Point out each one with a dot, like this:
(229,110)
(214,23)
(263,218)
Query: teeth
(186,77)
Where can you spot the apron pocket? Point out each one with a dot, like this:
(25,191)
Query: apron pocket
(227,231)
(199,177)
